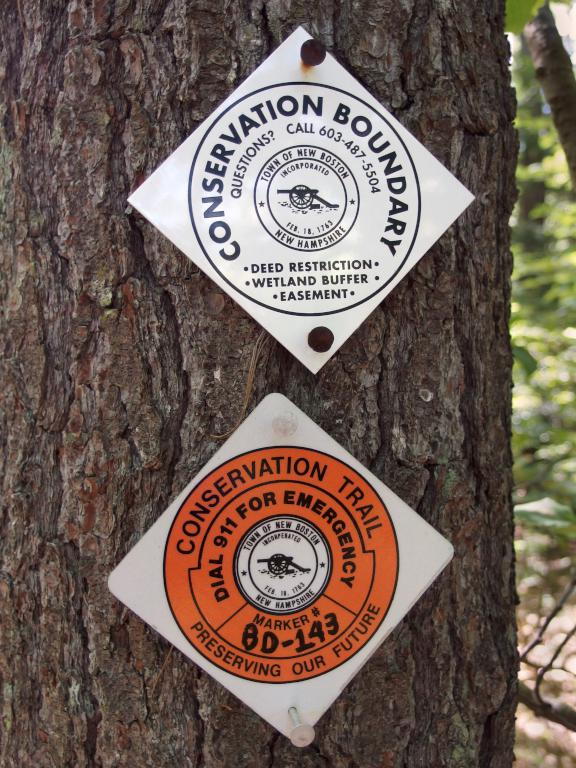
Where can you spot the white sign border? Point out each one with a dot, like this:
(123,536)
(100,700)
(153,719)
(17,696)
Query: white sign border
(443,198)
(138,581)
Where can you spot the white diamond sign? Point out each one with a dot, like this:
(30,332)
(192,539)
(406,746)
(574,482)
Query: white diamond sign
(281,567)
(304,199)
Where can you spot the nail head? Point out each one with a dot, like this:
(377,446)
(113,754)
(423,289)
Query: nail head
(320,339)
(313,52)
(214,303)
(425,395)
(302,735)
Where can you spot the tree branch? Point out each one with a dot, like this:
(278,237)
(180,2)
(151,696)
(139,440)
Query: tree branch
(550,665)
(555,711)
(556,76)
(552,615)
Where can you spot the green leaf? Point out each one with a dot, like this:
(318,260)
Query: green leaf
(526,360)
(519,13)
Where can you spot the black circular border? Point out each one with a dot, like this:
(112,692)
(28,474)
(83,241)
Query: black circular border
(262,610)
(306,236)
(243,591)
(307,250)
(257,450)
(235,287)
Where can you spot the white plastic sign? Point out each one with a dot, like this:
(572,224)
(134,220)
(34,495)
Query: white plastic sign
(302,198)
(281,567)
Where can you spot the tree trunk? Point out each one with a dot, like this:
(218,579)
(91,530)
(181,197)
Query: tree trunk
(121,362)
(555,73)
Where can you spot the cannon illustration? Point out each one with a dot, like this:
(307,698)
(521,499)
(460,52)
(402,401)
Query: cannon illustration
(303,198)
(281,565)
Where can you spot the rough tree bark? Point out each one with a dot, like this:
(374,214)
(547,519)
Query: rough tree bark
(120,360)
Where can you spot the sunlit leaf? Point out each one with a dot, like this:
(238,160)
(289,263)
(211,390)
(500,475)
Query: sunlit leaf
(526,360)
(546,507)
(547,514)
(519,13)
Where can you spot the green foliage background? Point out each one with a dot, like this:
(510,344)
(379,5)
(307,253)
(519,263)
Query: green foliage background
(543,319)
(543,329)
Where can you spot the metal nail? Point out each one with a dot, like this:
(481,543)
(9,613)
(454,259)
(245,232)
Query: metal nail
(301,734)
(320,339)
(312,53)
